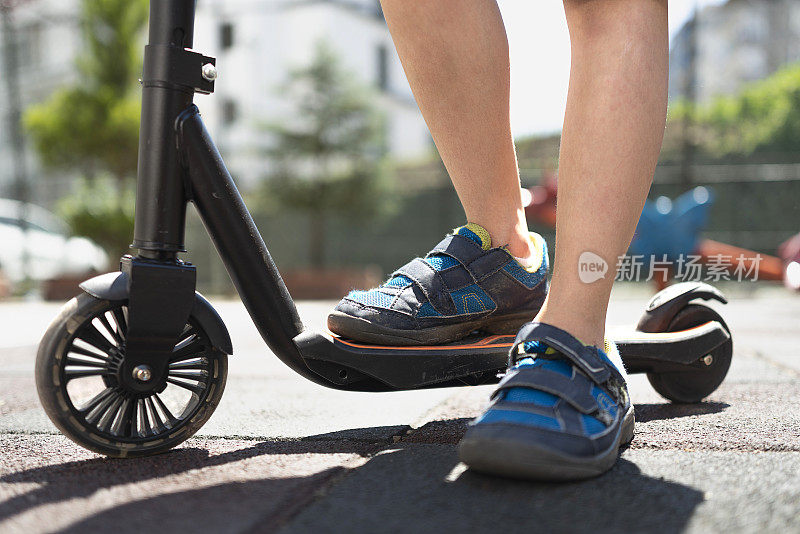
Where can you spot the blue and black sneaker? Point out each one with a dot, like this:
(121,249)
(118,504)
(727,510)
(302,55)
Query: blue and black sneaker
(561,412)
(461,286)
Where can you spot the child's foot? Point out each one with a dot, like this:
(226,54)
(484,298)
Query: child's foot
(462,285)
(561,412)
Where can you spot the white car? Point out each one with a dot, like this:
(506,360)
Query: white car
(51,253)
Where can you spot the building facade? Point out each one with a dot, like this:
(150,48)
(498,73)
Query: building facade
(46,36)
(258,42)
(725,47)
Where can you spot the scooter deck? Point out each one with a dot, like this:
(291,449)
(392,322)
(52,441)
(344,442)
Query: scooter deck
(480,358)
(351,365)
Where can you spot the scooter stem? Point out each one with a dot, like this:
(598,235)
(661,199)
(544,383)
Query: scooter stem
(239,242)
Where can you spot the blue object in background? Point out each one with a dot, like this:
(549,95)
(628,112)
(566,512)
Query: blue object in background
(672,227)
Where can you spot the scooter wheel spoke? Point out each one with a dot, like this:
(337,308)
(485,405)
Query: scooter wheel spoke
(119,320)
(111,330)
(188,331)
(96,413)
(91,335)
(108,417)
(170,419)
(123,419)
(84,352)
(187,349)
(194,388)
(158,423)
(80,362)
(97,400)
(191,374)
(72,374)
(144,418)
(194,363)
(85,392)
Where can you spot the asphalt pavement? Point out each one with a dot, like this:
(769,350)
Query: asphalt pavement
(282,454)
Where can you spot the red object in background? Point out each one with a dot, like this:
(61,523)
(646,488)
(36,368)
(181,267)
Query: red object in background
(542,209)
(768,268)
(542,206)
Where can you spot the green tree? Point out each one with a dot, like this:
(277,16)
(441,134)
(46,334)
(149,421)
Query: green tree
(92,127)
(329,159)
(762,119)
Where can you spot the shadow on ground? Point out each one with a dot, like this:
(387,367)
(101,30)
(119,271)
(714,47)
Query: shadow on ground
(84,478)
(414,483)
(657,412)
(423,486)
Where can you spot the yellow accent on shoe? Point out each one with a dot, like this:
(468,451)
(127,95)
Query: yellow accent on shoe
(609,347)
(480,231)
(521,350)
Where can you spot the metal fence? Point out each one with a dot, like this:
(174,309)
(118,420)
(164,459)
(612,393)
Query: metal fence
(756,206)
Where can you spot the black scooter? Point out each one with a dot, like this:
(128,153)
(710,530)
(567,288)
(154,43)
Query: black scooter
(137,363)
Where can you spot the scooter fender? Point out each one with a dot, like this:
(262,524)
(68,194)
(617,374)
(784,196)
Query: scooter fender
(114,287)
(663,307)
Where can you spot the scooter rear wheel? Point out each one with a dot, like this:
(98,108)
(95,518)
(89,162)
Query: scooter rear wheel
(702,378)
(77,379)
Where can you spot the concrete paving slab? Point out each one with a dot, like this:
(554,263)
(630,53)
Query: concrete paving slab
(295,407)
(422,488)
(24,322)
(47,484)
(770,326)
(281,451)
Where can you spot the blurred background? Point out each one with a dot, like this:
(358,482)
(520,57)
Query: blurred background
(317,124)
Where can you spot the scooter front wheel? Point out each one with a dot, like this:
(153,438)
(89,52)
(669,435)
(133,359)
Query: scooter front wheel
(77,379)
(703,377)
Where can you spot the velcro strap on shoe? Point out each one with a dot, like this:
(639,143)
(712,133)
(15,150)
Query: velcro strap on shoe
(431,283)
(576,391)
(461,248)
(527,407)
(456,277)
(587,359)
(478,263)
(488,264)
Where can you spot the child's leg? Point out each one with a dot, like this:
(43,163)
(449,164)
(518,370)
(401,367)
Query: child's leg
(455,55)
(490,274)
(610,143)
(563,410)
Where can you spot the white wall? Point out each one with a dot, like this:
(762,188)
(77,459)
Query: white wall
(270,38)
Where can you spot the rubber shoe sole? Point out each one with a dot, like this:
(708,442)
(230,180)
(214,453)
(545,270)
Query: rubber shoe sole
(489,450)
(359,329)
